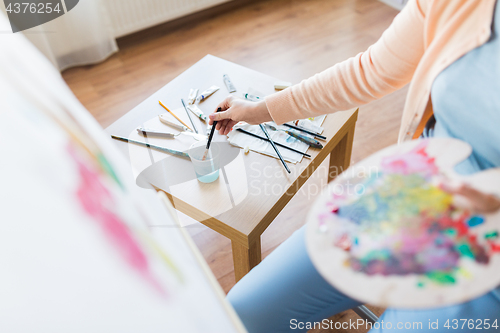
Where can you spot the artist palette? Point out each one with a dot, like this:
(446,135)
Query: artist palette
(385,233)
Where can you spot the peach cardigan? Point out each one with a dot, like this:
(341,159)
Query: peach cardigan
(426,37)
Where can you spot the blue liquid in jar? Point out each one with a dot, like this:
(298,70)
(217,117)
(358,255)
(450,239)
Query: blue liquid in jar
(211,177)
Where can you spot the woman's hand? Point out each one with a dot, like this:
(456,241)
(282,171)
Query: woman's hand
(235,110)
(470,198)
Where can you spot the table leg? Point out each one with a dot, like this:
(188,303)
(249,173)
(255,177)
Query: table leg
(340,157)
(245,258)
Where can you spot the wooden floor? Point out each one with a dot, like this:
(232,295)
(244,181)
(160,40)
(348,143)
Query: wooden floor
(287,39)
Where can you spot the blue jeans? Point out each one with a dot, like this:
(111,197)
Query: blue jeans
(285,291)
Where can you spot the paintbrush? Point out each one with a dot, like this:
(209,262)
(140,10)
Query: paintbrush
(153,132)
(274,147)
(173,114)
(307,140)
(305,131)
(210,137)
(145,144)
(276,143)
(189,115)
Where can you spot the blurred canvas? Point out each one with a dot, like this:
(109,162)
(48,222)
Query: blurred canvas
(80,249)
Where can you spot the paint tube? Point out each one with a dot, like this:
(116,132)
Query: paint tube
(229,85)
(193,93)
(147,131)
(207,93)
(253,98)
(308,125)
(280,85)
(197,112)
(171,124)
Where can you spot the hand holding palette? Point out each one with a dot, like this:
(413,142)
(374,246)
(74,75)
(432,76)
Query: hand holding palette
(385,233)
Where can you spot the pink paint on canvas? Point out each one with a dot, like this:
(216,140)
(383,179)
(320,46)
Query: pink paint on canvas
(97,201)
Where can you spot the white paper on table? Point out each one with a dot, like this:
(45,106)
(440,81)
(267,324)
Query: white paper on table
(243,140)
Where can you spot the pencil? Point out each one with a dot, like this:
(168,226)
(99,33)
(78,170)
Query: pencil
(276,143)
(274,147)
(173,114)
(189,115)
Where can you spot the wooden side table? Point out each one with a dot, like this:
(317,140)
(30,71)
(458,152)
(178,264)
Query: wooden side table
(253,189)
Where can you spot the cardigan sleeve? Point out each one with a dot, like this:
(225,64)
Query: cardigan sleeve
(386,66)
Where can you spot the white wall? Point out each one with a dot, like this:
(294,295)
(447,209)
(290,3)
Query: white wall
(128,16)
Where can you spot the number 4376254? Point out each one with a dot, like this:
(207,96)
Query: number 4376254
(33,7)
(477,324)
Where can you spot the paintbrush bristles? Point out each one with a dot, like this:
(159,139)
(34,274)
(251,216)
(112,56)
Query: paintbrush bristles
(205,154)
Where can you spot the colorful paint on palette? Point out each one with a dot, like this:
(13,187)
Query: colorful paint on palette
(401,224)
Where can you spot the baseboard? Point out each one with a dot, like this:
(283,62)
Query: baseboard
(209,13)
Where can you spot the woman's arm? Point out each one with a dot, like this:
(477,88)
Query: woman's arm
(386,66)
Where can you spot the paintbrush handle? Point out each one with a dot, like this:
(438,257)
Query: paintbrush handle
(305,131)
(145,144)
(276,143)
(310,141)
(210,137)
(189,116)
(274,147)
